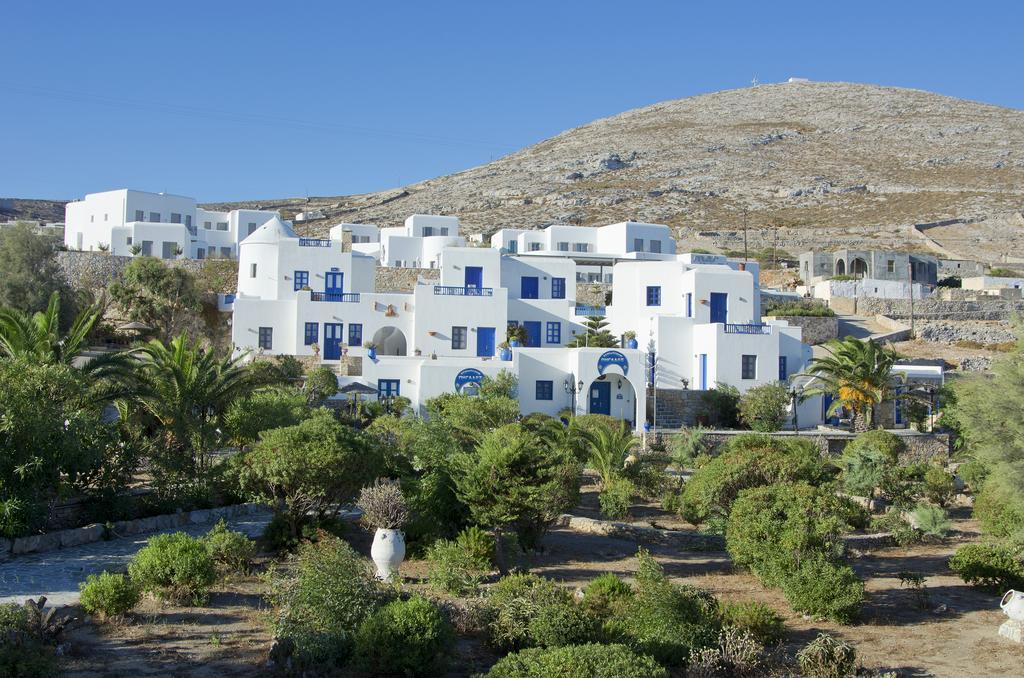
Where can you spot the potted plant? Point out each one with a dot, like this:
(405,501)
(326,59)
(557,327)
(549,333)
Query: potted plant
(516,335)
(385,510)
(315,348)
(630,337)
(371,350)
(417,352)
(505,352)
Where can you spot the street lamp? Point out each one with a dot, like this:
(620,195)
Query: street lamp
(572,387)
(794,395)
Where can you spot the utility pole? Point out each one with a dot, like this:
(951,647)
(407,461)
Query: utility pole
(910,280)
(744,235)
(775,244)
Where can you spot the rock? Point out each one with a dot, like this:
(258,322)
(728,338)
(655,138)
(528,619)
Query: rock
(574,176)
(613,162)
(199,517)
(81,535)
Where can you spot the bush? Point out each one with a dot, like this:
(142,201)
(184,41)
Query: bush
(605,593)
(756,618)
(564,623)
(863,471)
(277,535)
(720,405)
(230,549)
(827,657)
(615,498)
(405,637)
(939,486)
(262,411)
(453,569)
(578,661)
(324,598)
(893,522)
(383,505)
(820,587)
(321,384)
(748,460)
(877,440)
(687,445)
(174,566)
(1000,507)
(764,408)
(108,595)
(988,566)
(932,521)
(478,544)
(21,651)
(514,602)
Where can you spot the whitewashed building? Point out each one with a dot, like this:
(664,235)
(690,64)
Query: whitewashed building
(696,318)
(125,222)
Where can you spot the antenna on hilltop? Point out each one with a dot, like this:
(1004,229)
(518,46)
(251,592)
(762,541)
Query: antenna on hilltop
(755,82)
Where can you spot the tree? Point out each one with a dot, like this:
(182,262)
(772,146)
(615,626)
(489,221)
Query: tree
(321,384)
(162,297)
(266,409)
(595,336)
(610,446)
(30,274)
(764,408)
(858,374)
(309,471)
(38,337)
(503,384)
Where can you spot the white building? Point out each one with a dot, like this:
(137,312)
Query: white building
(126,222)
(697,317)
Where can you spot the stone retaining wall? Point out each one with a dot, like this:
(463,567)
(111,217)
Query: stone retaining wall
(816,329)
(392,279)
(939,309)
(96,532)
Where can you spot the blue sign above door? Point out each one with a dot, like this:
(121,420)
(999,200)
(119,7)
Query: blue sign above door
(609,358)
(468,376)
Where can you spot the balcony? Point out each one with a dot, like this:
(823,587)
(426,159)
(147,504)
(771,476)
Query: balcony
(328,296)
(314,242)
(589,311)
(455,291)
(754,328)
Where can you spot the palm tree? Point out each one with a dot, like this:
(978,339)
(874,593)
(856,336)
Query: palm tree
(857,373)
(610,447)
(38,338)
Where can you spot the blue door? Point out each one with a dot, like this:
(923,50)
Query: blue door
(332,341)
(333,283)
(703,368)
(529,288)
(783,370)
(485,341)
(474,277)
(532,331)
(719,307)
(601,397)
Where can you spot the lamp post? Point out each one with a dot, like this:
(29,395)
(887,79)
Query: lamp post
(794,396)
(572,387)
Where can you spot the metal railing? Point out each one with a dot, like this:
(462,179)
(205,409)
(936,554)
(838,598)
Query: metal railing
(314,242)
(752,328)
(329,296)
(455,291)
(589,310)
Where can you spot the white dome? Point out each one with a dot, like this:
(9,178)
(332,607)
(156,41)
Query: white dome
(271,232)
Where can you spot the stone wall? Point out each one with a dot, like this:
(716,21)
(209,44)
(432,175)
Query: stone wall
(939,309)
(392,279)
(816,329)
(92,270)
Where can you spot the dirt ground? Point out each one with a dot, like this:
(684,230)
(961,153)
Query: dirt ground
(953,633)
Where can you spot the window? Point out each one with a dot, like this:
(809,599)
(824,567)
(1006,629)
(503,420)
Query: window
(558,288)
(252,270)
(890,266)
(92,218)
(188,221)
(200,253)
(638,244)
(252,227)
(140,215)
(512,246)
(689,304)
(580,247)
(128,240)
(226,253)
(783,371)
(535,246)
(106,217)
(444,230)
(222,225)
(154,217)
(355,334)
(301,279)
(656,246)
(428,231)
(749,367)
(312,333)
(387,388)
(545,390)
(654,295)
(147,248)
(175,218)
(554,332)
(267,338)
(563,247)
(458,338)
(169,249)
(207,225)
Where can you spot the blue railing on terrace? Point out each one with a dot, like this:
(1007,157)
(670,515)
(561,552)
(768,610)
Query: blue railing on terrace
(455,291)
(314,242)
(589,310)
(754,328)
(328,296)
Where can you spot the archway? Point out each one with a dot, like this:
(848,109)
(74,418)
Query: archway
(858,267)
(390,341)
(613,395)
(840,267)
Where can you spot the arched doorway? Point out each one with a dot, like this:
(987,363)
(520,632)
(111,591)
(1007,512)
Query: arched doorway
(840,267)
(612,394)
(858,267)
(390,341)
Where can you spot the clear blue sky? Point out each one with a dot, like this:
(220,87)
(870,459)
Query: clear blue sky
(237,100)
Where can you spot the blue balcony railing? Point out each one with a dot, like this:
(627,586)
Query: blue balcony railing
(753,328)
(455,291)
(589,310)
(314,242)
(329,296)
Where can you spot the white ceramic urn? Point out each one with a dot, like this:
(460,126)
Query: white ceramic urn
(1013,605)
(388,552)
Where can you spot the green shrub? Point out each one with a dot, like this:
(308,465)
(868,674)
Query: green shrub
(720,406)
(324,597)
(264,410)
(108,595)
(764,408)
(562,623)
(748,460)
(827,657)
(756,618)
(453,569)
(738,654)
(478,544)
(604,593)
(174,566)
(233,550)
(820,587)
(989,566)
(405,637)
(999,507)
(932,521)
(877,440)
(578,661)
(514,601)
(973,473)
(687,445)
(863,471)
(893,522)
(616,498)
(22,653)
(939,486)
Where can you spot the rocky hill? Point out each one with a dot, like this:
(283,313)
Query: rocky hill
(808,163)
